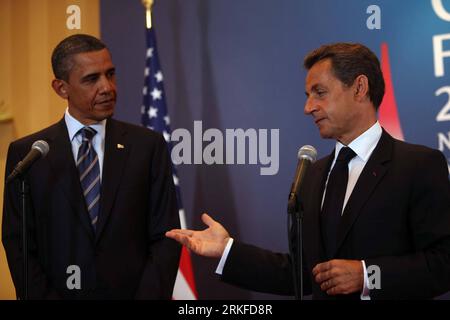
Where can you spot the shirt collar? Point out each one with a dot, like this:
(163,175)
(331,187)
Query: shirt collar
(73,126)
(364,144)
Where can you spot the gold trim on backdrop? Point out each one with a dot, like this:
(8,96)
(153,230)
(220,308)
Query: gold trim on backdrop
(148,12)
(5,114)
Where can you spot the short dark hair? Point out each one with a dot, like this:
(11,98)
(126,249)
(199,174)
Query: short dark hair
(62,54)
(349,60)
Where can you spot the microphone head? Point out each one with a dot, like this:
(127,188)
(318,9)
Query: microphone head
(307,152)
(41,146)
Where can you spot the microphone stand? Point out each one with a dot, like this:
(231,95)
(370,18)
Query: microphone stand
(295,217)
(24,192)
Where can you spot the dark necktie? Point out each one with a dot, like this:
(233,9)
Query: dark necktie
(89,170)
(334,199)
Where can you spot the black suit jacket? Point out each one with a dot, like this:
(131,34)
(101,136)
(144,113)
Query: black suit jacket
(129,256)
(397,217)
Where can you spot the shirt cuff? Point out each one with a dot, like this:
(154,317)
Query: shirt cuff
(224,257)
(365,294)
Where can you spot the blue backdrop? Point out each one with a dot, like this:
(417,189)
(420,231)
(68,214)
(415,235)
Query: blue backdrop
(238,64)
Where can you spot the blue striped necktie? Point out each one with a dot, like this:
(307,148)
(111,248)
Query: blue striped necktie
(89,170)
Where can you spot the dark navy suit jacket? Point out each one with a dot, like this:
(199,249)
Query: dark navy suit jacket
(128,256)
(397,218)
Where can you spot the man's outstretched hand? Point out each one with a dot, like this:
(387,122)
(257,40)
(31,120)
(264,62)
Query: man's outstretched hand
(210,242)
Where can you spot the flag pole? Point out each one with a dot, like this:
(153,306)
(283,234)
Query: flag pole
(148,12)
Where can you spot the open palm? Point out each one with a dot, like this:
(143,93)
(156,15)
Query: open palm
(210,242)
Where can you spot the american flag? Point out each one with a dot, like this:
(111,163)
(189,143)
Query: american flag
(155,117)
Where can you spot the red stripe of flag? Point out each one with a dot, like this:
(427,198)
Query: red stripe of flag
(388,113)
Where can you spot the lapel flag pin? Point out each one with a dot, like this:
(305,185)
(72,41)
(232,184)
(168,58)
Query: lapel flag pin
(120,146)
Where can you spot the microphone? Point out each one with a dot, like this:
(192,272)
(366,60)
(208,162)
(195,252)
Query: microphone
(306,155)
(39,149)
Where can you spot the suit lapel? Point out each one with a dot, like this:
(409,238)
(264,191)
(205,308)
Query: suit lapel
(371,175)
(65,173)
(116,153)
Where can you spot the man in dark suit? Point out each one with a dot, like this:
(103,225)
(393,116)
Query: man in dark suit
(102,199)
(374,204)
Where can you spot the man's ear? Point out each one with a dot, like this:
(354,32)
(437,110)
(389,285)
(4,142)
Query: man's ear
(60,87)
(361,87)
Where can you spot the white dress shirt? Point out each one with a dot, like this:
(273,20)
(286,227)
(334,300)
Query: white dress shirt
(363,146)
